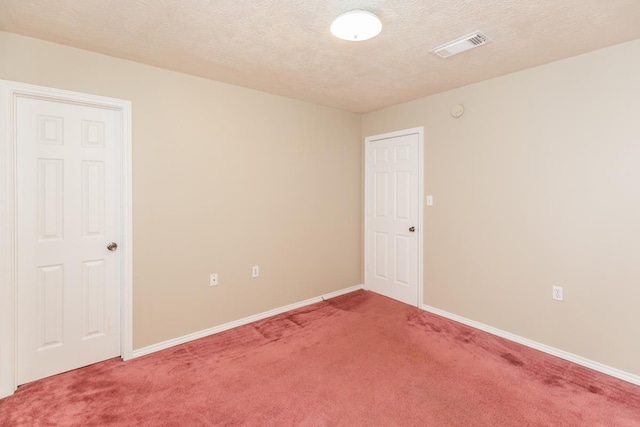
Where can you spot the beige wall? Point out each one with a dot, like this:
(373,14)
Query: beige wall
(223,178)
(537,184)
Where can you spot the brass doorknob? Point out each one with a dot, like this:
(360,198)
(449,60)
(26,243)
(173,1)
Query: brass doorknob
(412,229)
(112,246)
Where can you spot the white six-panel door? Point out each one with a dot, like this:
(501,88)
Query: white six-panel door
(67,204)
(392,222)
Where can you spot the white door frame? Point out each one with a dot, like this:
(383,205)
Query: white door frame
(9,94)
(367,207)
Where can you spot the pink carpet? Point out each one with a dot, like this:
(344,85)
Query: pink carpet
(356,360)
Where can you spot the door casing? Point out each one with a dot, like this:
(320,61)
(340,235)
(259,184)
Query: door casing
(367,202)
(9,93)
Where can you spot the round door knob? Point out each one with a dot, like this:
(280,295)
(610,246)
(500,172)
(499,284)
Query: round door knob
(112,246)
(412,229)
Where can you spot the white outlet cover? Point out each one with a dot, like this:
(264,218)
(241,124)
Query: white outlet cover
(557,294)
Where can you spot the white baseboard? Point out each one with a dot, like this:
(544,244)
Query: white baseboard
(234,324)
(579,360)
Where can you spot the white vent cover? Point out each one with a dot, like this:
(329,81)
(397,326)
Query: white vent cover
(467,42)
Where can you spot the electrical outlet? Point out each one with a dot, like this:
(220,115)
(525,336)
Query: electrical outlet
(255,271)
(213,279)
(557,293)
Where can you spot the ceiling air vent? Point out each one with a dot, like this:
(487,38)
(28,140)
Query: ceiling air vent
(467,42)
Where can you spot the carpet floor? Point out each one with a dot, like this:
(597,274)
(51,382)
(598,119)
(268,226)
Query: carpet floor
(357,360)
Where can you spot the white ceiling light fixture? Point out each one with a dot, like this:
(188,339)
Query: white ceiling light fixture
(357,25)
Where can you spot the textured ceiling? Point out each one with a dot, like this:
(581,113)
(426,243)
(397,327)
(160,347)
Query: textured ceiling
(284,46)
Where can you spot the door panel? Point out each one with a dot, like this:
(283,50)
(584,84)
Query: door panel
(68,282)
(50,313)
(381,255)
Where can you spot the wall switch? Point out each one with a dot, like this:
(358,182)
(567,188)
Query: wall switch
(557,293)
(213,279)
(429,200)
(255,271)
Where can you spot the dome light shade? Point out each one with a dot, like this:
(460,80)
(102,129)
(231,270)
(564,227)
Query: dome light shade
(357,25)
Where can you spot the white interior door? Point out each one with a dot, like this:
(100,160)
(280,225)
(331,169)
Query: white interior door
(393,215)
(68,199)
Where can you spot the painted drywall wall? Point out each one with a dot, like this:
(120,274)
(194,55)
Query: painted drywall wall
(224,178)
(538,184)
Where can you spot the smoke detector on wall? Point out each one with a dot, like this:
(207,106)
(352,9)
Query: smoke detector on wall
(461,44)
(457,111)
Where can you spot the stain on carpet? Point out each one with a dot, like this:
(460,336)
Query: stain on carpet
(466,337)
(553,380)
(595,390)
(351,301)
(512,359)
(277,327)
